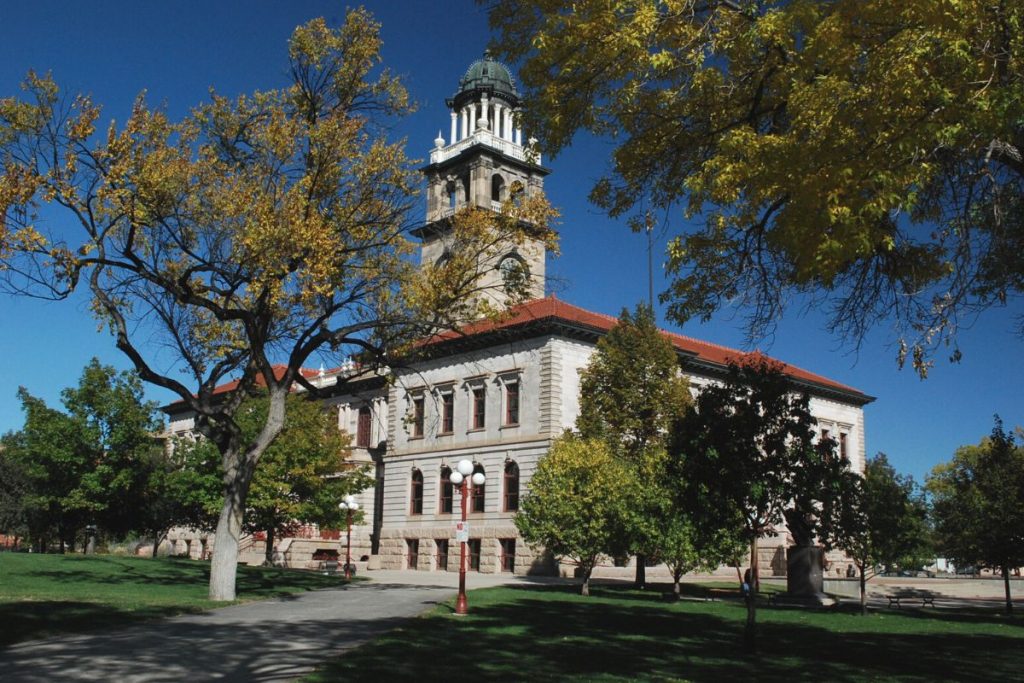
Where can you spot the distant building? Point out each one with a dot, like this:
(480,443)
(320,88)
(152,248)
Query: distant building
(497,393)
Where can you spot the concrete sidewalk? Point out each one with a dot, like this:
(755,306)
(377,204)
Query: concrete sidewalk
(274,640)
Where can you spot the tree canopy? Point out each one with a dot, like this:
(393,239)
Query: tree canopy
(884,521)
(302,475)
(631,393)
(977,505)
(576,503)
(256,230)
(88,464)
(750,450)
(865,156)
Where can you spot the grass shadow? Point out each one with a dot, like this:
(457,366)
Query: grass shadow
(547,634)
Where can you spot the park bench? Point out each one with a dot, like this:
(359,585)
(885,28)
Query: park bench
(927,599)
(711,594)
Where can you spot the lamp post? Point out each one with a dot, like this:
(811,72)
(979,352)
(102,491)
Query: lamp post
(349,505)
(462,478)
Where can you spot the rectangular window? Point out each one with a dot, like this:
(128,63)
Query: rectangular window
(417,417)
(363,427)
(508,554)
(842,444)
(512,403)
(413,555)
(477,493)
(473,550)
(447,413)
(447,489)
(442,554)
(479,407)
(825,434)
(511,487)
(416,494)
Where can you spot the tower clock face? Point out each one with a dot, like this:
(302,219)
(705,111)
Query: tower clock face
(513,273)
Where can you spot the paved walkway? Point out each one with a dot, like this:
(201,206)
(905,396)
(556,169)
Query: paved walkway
(273,640)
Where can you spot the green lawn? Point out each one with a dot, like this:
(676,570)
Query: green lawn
(42,595)
(618,634)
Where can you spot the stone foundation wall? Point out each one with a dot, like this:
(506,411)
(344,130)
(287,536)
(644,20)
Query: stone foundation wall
(394,550)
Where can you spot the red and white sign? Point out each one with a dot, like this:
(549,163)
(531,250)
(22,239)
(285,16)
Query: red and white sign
(461,532)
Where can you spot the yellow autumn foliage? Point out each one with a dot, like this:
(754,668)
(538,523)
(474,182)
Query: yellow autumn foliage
(864,154)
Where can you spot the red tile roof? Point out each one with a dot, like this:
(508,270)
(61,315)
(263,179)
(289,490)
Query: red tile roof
(554,309)
(278,369)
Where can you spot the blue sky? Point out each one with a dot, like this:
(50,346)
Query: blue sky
(177,51)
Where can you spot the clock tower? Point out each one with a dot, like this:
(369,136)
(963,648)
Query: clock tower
(485,159)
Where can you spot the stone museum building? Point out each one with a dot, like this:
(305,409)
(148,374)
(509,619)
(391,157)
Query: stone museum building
(497,393)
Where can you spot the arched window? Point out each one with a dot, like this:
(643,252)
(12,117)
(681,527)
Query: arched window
(446,491)
(497,188)
(511,486)
(416,496)
(479,492)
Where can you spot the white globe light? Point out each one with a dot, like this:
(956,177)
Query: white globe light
(343,505)
(456,479)
(350,499)
(353,506)
(465,467)
(479,478)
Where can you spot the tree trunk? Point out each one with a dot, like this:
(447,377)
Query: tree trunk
(1006,586)
(239,463)
(641,572)
(676,576)
(224,564)
(268,554)
(161,536)
(156,545)
(863,588)
(585,586)
(750,631)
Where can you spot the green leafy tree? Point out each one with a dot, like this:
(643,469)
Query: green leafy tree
(51,450)
(182,489)
(575,505)
(884,522)
(304,474)
(119,429)
(750,449)
(87,465)
(977,505)
(864,154)
(685,539)
(256,230)
(14,486)
(631,392)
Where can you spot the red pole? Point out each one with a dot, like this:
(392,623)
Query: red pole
(460,604)
(348,548)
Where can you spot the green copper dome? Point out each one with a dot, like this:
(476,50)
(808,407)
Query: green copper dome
(489,76)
